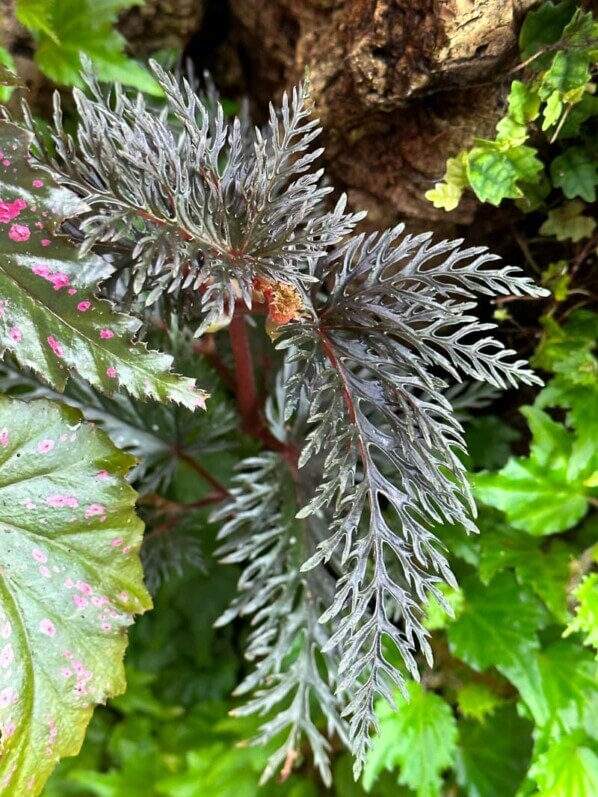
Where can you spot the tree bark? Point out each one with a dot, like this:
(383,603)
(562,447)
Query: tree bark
(399,85)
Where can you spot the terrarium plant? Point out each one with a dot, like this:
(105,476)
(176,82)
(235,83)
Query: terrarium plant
(329,451)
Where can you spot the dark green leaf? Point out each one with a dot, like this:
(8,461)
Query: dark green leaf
(544,26)
(576,172)
(493,756)
(490,631)
(489,441)
(545,569)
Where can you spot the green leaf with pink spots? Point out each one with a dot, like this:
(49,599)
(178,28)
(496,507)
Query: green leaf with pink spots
(50,320)
(70,584)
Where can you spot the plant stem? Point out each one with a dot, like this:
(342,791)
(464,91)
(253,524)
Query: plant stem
(205,475)
(244,374)
(252,422)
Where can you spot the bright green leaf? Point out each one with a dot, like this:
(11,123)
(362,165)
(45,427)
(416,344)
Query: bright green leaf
(8,79)
(436,616)
(36,15)
(568,769)
(86,28)
(552,110)
(557,278)
(420,737)
(568,350)
(524,103)
(545,492)
(495,173)
(50,320)
(586,614)
(476,701)
(70,582)
(447,194)
(559,686)
(543,568)
(570,69)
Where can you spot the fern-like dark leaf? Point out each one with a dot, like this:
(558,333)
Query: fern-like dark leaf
(396,323)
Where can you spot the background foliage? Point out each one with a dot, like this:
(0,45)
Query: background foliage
(511,704)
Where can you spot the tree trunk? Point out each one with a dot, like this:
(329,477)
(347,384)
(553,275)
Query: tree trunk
(400,85)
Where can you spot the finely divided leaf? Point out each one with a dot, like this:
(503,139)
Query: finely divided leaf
(49,319)
(70,583)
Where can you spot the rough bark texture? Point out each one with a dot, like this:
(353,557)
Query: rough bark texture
(161,24)
(400,85)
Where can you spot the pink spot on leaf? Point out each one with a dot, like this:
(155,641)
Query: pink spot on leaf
(44,446)
(106,334)
(6,656)
(47,627)
(10,210)
(83,306)
(7,696)
(19,233)
(55,346)
(39,556)
(94,509)
(59,500)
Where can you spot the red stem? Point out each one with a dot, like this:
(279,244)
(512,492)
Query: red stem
(205,475)
(252,422)
(244,375)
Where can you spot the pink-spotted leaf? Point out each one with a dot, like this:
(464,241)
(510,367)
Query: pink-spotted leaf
(50,320)
(70,584)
